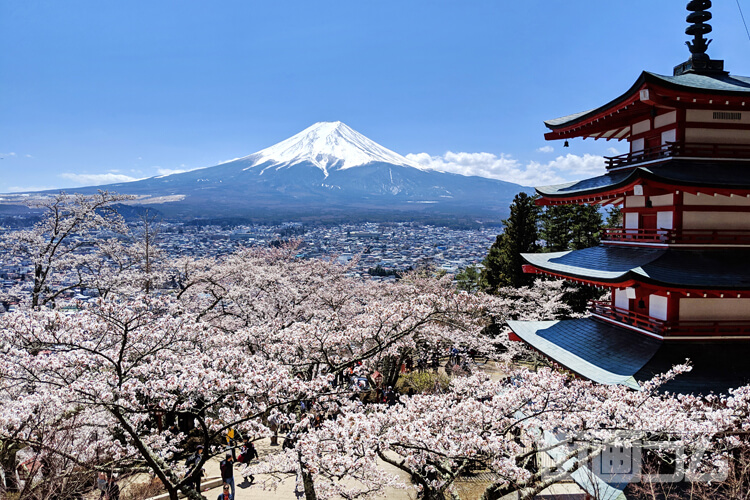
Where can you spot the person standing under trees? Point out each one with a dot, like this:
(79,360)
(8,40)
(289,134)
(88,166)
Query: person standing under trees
(227,471)
(247,454)
(112,490)
(194,468)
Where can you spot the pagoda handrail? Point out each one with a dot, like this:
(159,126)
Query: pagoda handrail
(678,237)
(627,316)
(636,235)
(671,328)
(677,149)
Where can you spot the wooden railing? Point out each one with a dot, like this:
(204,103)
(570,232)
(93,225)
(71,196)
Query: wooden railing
(677,149)
(707,328)
(677,237)
(618,234)
(628,317)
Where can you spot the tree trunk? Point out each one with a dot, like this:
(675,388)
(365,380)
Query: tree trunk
(38,284)
(432,494)
(8,461)
(309,485)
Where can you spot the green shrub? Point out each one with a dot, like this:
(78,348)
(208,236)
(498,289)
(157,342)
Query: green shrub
(426,382)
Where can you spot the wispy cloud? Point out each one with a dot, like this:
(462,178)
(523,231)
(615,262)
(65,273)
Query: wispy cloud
(28,189)
(96,179)
(545,149)
(505,167)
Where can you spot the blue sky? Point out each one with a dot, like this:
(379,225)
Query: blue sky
(96,91)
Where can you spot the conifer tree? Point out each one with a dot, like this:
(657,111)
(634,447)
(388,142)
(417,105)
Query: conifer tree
(502,266)
(570,227)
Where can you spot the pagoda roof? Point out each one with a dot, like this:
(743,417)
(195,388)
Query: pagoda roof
(608,354)
(726,269)
(598,351)
(613,119)
(703,176)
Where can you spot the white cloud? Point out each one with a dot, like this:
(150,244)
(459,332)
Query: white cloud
(545,149)
(26,189)
(613,151)
(7,155)
(96,179)
(504,167)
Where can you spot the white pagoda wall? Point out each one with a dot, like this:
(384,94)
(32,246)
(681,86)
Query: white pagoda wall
(722,309)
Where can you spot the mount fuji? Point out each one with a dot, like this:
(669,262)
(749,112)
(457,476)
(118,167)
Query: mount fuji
(326,172)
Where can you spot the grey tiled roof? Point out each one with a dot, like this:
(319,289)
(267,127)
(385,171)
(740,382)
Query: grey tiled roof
(704,269)
(598,351)
(716,84)
(680,172)
(611,355)
(717,367)
(719,83)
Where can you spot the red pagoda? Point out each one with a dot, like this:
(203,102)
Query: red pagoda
(679,267)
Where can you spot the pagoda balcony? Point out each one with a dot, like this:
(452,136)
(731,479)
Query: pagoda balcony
(633,319)
(676,150)
(730,237)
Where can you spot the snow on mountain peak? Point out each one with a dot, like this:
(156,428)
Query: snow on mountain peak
(326,144)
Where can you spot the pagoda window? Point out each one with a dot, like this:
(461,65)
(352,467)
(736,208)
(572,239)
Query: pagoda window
(623,297)
(631,220)
(637,145)
(721,309)
(664,220)
(711,116)
(668,136)
(657,307)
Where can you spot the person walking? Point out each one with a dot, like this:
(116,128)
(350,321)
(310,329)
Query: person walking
(112,491)
(195,468)
(227,471)
(101,483)
(247,454)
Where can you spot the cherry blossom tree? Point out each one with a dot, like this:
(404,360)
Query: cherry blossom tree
(257,333)
(249,336)
(500,426)
(113,366)
(312,317)
(58,245)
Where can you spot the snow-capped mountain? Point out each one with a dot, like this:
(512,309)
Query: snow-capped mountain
(327,145)
(328,171)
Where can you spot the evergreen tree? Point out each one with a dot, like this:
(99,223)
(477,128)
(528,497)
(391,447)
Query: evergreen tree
(614,217)
(470,279)
(502,266)
(571,227)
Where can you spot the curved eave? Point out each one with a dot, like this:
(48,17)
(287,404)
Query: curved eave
(726,178)
(585,124)
(612,355)
(597,351)
(720,270)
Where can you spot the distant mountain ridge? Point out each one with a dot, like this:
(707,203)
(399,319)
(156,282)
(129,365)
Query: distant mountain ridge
(327,171)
